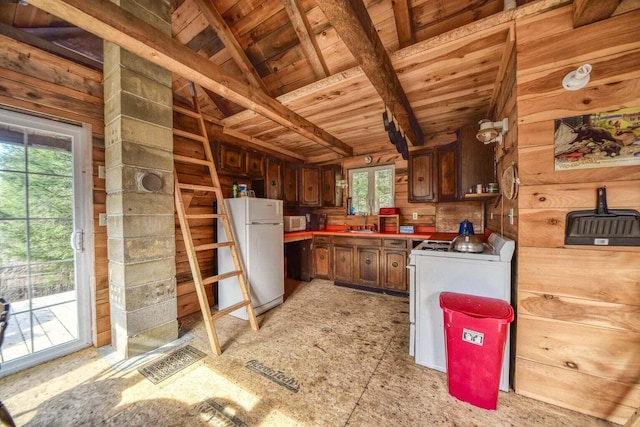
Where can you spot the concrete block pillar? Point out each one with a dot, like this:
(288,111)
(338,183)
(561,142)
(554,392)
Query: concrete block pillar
(139,184)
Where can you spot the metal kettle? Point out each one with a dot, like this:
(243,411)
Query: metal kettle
(466,241)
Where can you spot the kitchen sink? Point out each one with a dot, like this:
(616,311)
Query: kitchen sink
(359,231)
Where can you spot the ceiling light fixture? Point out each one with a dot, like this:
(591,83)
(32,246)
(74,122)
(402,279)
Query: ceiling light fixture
(578,78)
(492,131)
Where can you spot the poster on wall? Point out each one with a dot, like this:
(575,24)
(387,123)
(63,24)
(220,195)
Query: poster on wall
(598,140)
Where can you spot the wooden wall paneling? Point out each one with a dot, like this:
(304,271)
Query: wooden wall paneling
(579,310)
(590,394)
(580,195)
(587,349)
(591,274)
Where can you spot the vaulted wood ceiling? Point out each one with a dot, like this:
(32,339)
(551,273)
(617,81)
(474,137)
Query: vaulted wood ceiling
(309,79)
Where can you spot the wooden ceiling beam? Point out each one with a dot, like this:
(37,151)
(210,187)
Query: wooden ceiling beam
(589,11)
(404,23)
(307,38)
(217,22)
(353,23)
(112,23)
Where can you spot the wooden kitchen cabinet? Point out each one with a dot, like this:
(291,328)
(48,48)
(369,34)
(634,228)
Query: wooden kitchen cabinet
(322,257)
(422,175)
(231,159)
(309,186)
(342,263)
(368,266)
(290,184)
(273,179)
(254,163)
(394,265)
(448,182)
(329,190)
(476,161)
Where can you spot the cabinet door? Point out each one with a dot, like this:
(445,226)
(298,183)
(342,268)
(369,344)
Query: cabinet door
(394,275)
(273,184)
(368,266)
(422,176)
(477,160)
(290,195)
(322,261)
(331,195)
(448,181)
(231,159)
(255,161)
(310,186)
(343,264)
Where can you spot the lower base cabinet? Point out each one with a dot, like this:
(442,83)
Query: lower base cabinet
(379,264)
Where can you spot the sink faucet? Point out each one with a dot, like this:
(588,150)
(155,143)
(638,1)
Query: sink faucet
(364,220)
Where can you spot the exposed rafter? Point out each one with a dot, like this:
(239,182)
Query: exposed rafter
(307,39)
(589,11)
(404,23)
(352,22)
(112,23)
(229,40)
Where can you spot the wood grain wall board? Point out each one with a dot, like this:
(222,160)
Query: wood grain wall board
(32,62)
(568,47)
(536,165)
(590,274)
(450,215)
(602,398)
(580,196)
(579,310)
(535,134)
(592,350)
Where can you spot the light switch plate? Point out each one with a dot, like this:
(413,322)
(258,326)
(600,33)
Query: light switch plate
(102,173)
(102,219)
(415,215)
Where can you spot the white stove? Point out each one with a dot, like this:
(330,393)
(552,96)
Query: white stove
(434,267)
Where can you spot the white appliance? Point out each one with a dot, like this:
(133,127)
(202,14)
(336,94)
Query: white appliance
(434,268)
(258,230)
(295,223)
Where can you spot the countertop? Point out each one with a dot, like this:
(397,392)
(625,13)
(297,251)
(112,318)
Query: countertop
(295,236)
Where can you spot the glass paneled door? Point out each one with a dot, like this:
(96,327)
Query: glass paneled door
(45,183)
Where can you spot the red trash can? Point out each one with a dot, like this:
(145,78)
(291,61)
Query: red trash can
(475,330)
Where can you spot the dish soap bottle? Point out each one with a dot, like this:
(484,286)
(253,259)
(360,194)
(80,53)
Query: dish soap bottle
(235,189)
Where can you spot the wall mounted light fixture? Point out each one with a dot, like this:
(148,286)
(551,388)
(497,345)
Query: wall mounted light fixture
(578,78)
(492,131)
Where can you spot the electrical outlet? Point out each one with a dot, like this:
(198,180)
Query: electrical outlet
(102,173)
(415,215)
(102,219)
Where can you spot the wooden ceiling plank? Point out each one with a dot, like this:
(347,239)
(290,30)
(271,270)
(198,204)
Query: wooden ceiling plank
(110,22)
(217,22)
(509,48)
(404,23)
(307,38)
(351,20)
(589,11)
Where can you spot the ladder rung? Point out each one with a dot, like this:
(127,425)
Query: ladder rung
(205,216)
(186,159)
(219,277)
(190,135)
(209,246)
(230,309)
(197,187)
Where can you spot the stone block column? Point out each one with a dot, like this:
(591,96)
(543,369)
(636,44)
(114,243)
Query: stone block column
(139,184)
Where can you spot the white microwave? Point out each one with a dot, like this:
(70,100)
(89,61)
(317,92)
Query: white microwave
(295,223)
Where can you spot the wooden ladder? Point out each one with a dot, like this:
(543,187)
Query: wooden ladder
(196,178)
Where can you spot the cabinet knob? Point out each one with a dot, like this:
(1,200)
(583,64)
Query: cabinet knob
(394,264)
(343,259)
(321,256)
(367,261)
(420,178)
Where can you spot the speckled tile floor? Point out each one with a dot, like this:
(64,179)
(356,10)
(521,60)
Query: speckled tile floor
(329,356)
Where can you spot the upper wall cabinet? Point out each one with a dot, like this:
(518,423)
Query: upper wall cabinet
(309,186)
(477,160)
(448,181)
(290,183)
(422,175)
(273,179)
(255,163)
(231,159)
(331,194)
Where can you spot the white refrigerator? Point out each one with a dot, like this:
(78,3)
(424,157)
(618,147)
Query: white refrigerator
(258,228)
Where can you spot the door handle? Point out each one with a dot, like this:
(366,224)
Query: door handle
(77,240)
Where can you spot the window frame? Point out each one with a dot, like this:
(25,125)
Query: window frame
(371,170)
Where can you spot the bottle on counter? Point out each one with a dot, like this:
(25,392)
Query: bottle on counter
(235,189)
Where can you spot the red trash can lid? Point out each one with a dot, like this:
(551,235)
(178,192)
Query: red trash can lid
(476,306)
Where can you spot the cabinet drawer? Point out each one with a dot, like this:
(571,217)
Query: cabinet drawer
(395,243)
(321,239)
(363,241)
(342,241)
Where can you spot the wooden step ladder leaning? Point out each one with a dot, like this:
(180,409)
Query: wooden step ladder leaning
(195,174)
